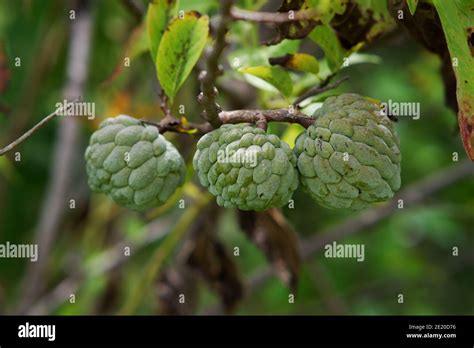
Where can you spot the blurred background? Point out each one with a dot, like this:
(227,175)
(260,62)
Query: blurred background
(102,258)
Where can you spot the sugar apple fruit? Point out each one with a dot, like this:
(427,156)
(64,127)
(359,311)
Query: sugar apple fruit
(350,156)
(133,164)
(246,168)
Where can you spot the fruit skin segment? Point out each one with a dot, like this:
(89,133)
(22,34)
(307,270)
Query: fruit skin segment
(350,157)
(246,168)
(133,164)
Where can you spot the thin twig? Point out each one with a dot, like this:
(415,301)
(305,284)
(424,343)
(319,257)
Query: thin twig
(273,17)
(52,38)
(29,133)
(169,121)
(164,105)
(411,196)
(208,77)
(323,87)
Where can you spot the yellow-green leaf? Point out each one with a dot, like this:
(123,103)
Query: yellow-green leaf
(179,50)
(185,128)
(291,133)
(303,62)
(274,75)
(158,15)
(327,39)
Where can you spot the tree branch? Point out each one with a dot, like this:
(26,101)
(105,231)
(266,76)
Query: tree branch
(208,77)
(257,117)
(272,17)
(254,116)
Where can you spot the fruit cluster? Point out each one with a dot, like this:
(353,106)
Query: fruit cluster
(349,158)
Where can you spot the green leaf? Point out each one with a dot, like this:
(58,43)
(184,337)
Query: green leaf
(202,6)
(412,6)
(179,51)
(326,38)
(158,15)
(303,62)
(291,133)
(328,8)
(362,58)
(456,19)
(274,75)
(251,56)
(286,46)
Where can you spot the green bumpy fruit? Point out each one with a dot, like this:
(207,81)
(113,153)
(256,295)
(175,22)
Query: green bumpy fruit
(246,168)
(133,164)
(350,157)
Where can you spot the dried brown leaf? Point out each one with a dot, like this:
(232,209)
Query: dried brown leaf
(270,231)
(218,269)
(173,283)
(203,253)
(109,297)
